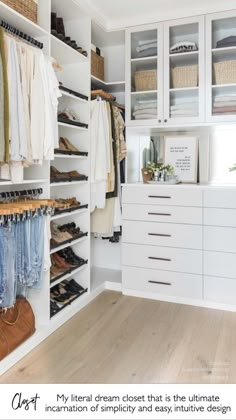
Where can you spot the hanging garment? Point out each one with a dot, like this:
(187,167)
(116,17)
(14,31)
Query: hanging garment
(2,126)
(102,219)
(100,165)
(5,105)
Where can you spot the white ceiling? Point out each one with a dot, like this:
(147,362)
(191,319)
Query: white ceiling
(118,14)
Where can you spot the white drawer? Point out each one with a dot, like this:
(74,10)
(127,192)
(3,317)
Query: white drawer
(220,239)
(162,258)
(219,264)
(219,289)
(163,214)
(223,198)
(162,234)
(162,282)
(219,217)
(162,195)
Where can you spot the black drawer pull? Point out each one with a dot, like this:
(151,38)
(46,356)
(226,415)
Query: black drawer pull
(159,196)
(159,214)
(160,234)
(159,259)
(159,282)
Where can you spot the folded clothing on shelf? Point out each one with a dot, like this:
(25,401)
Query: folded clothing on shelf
(147,48)
(184,46)
(229,41)
(145,110)
(184,109)
(224,104)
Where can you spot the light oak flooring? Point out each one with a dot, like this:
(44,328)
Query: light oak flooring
(121,339)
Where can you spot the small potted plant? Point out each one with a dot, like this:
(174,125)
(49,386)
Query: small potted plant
(233,168)
(148,172)
(157,171)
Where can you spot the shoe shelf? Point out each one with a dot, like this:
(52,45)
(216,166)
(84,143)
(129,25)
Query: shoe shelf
(76,98)
(24,182)
(58,156)
(66,54)
(75,127)
(62,184)
(69,212)
(67,274)
(68,243)
(69,303)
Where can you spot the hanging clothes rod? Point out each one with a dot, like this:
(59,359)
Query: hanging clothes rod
(13,195)
(16,32)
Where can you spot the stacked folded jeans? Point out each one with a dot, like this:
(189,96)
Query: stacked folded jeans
(145,110)
(224,104)
(229,41)
(147,48)
(184,46)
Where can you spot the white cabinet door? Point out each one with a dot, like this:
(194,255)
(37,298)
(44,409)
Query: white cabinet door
(220,80)
(218,289)
(144,63)
(184,75)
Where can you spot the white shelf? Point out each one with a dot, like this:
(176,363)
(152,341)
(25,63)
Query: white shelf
(68,275)
(187,89)
(69,157)
(70,95)
(71,213)
(144,92)
(62,184)
(25,25)
(68,244)
(74,127)
(117,86)
(66,54)
(184,54)
(25,182)
(229,85)
(137,60)
(225,49)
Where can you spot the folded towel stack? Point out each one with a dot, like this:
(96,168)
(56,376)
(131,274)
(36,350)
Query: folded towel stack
(184,46)
(229,41)
(184,109)
(224,104)
(145,110)
(147,48)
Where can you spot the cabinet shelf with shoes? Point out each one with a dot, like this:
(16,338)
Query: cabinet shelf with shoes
(68,149)
(64,294)
(65,234)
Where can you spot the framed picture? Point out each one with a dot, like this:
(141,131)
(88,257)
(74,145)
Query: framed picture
(182,153)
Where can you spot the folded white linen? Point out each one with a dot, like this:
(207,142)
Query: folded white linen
(146,47)
(137,107)
(145,111)
(148,41)
(224,103)
(146,117)
(147,101)
(184,112)
(193,105)
(225,98)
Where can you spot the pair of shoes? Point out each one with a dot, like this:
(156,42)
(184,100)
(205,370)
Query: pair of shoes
(73,286)
(71,258)
(59,236)
(57,176)
(66,145)
(63,204)
(69,114)
(54,308)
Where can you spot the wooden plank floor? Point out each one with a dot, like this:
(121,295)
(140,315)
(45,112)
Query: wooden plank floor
(121,339)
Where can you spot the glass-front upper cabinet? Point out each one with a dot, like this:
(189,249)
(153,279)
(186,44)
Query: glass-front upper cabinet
(221,66)
(184,60)
(144,75)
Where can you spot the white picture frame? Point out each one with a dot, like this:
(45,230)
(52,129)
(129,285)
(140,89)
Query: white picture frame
(181,152)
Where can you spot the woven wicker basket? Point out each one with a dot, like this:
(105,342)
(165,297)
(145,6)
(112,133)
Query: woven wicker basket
(145,80)
(97,65)
(27,8)
(224,72)
(184,76)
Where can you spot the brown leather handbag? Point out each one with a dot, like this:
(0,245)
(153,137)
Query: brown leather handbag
(16,325)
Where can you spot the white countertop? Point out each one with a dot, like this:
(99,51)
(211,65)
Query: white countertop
(199,186)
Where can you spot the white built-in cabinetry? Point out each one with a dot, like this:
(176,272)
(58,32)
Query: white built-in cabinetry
(179,244)
(205,31)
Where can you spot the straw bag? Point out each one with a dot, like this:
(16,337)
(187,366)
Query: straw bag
(16,325)
(145,80)
(184,76)
(224,72)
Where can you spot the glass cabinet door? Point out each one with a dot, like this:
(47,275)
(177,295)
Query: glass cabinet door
(184,70)
(144,99)
(221,66)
